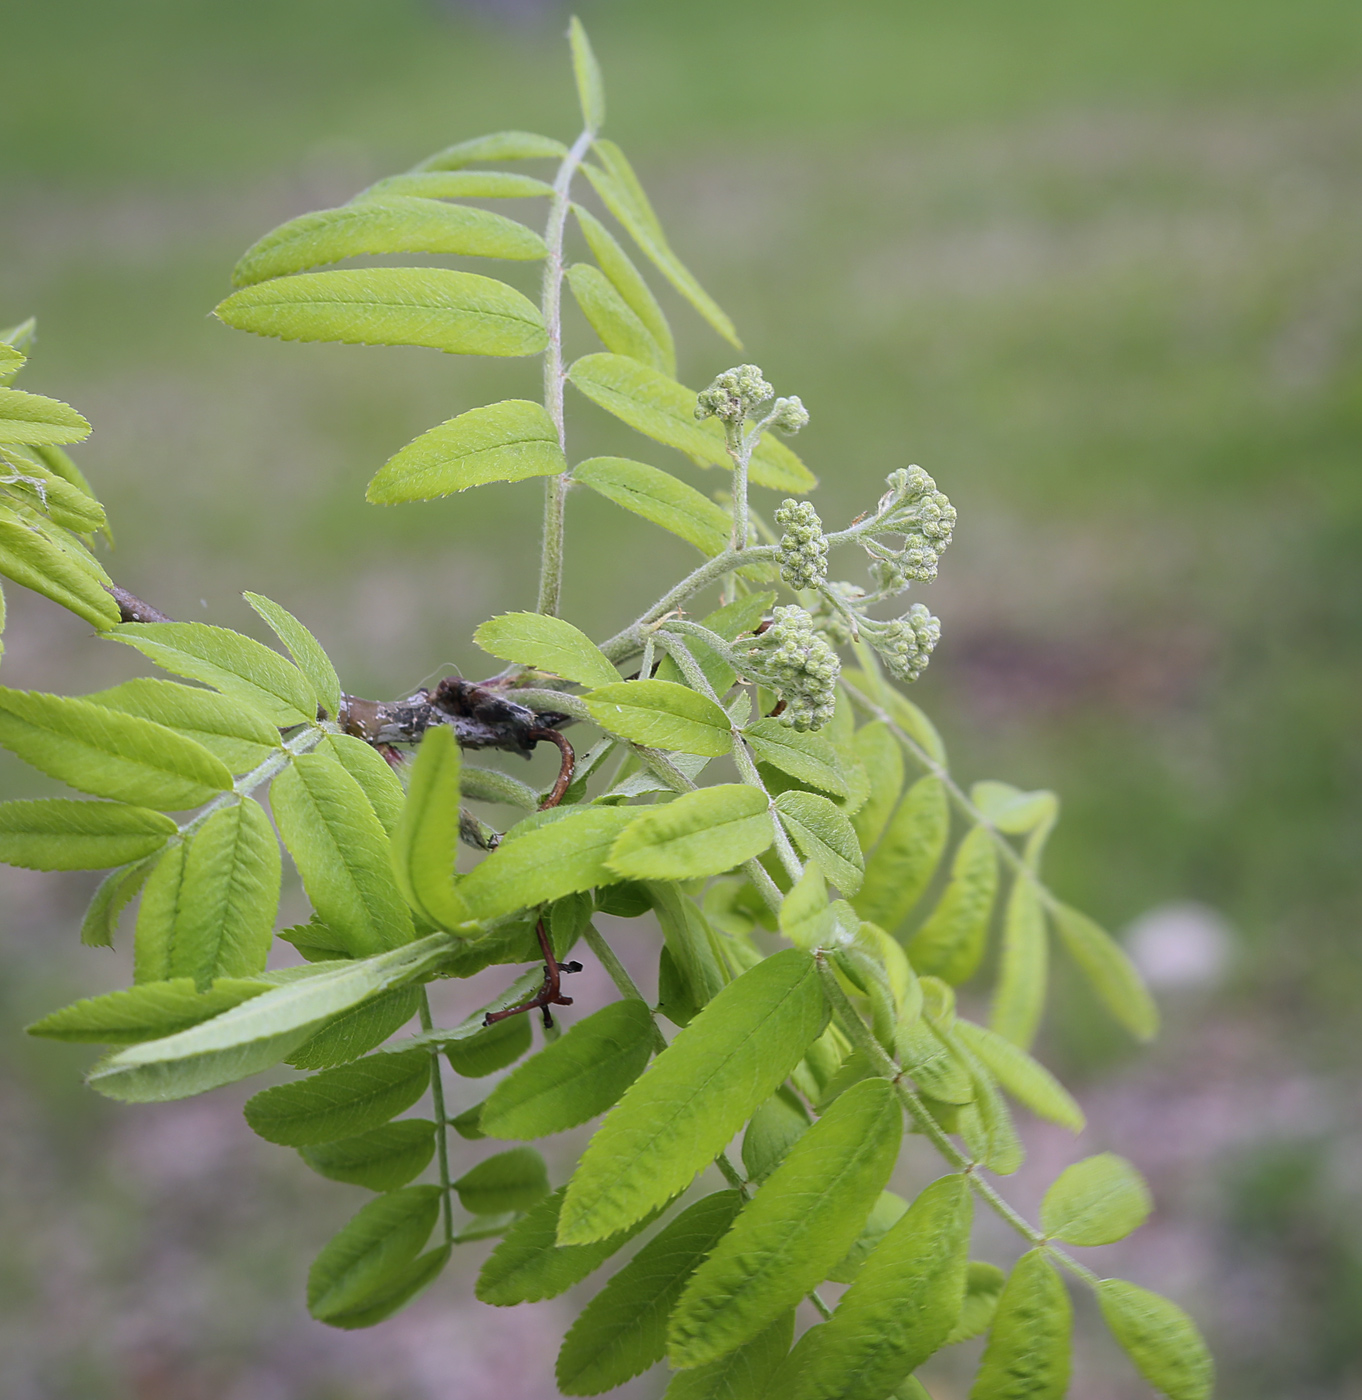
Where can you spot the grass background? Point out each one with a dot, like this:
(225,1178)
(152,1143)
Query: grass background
(1092,265)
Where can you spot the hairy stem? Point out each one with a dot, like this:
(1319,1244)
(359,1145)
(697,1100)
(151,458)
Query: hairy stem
(437,1098)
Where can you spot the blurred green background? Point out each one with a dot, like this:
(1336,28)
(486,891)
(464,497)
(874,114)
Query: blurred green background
(1092,263)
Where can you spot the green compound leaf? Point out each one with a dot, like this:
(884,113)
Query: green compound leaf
(361,1262)
(950,944)
(108,754)
(806,918)
(691,968)
(691,1100)
(507,441)
(741,1375)
(1027,1354)
(491,785)
(573,1078)
(380,785)
(144,1013)
(240,667)
(902,865)
(390,223)
(825,836)
(565,857)
(660,408)
(623,1330)
(701,833)
(11,360)
(341,852)
(61,834)
(357,1031)
(61,500)
(627,281)
(610,316)
(500,145)
(457,184)
(510,1181)
(983,1288)
(663,715)
(587,72)
(262,1031)
(808,757)
(381,1159)
(490,1049)
(1020,996)
(1108,971)
(398,1290)
(307,652)
(35,554)
(900,1309)
(426,837)
(881,756)
(1027,1081)
(659,498)
(1013,811)
(802,1221)
(238,736)
(884,1215)
(774,1129)
(1159,1338)
(32,418)
(340,1103)
(985,1123)
(547,644)
(622,194)
(209,906)
(1099,1200)
(116,891)
(530,1265)
(461,313)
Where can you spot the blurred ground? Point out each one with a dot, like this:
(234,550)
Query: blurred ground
(1092,265)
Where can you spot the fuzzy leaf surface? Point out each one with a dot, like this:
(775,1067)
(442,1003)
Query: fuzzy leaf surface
(426,836)
(629,283)
(60,834)
(983,1288)
(662,715)
(1020,996)
(659,498)
(701,833)
(357,1031)
(1028,1082)
(806,756)
(1027,1353)
(34,418)
(902,865)
(950,944)
(1159,1338)
(1109,972)
(547,644)
(145,1012)
(611,317)
(1099,1200)
(500,145)
(307,652)
(34,553)
(881,756)
(825,836)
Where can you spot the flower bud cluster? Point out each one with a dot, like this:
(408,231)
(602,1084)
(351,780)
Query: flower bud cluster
(803,546)
(789,415)
(734,395)
(914,508)
(906,643)
(799,666)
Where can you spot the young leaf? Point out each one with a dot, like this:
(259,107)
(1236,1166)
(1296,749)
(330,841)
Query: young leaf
(234,733)
(392,223)
(500,145)
(882,758)
(547,644)
(620,330)
(62,501)
(866,690)
(660,408)
(457,184)
(1159,1338)
(985,1123)
(380,785)
(60,834)
(116,891)
(887,1211)
(306,651)
(902,865)
(663,715)
(33,554)
(530,1265)
(562,858)
(574,1078)
(361,1261)
(741,1375)
(512,1180)
(1109,972)
(381,1159)
(691,967)
(240,667)
(491,785)
(623,1330)
(506,441)
(774,1129)
(341,852)
(357,1031)
(251,1037)
(627,281)
(587,72)
(1027,1354)
(490,1049)
(699,1091)
(701,833)
(825,837)
(1028,1082)
(32,418)
(426,838)
(1012,810)
(1099,1200)
(659,498)
(209,906)
(983,1288)
(340,1103)
(107,754)
(11,361)
(802,1221)
(461,313)
(144,1013)
(950,944)
(808,757)
(1020,995)
(901,1308)
(938,1072)
(805,915)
